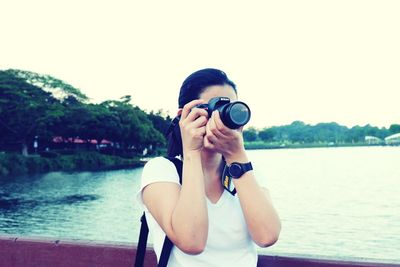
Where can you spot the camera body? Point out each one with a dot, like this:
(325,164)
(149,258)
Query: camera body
(233,114)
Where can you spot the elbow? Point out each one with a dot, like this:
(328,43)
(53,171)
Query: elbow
(267,240)
(192,247)
(268,237)
(192,244)
(193,240)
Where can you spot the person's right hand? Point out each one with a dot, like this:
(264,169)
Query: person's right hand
(193,126)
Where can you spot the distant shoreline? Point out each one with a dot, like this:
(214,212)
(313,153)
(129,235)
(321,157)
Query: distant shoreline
(12,164)
(262,145)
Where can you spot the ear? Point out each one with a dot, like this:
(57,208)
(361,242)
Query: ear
(179,112)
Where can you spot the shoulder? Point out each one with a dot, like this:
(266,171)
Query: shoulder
(159,169)
(158,161)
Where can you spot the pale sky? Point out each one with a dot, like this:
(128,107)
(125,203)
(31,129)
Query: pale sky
(315,61)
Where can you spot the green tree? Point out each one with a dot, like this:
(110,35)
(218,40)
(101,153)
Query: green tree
(58,88)
(296,131)
(250,134)
(328,132)
(74,123)
(135,130)
(394,128)
(267,134)
(160,121)
(102,123)
(26,111)
(87,122)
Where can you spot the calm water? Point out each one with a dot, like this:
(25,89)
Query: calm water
(339,202)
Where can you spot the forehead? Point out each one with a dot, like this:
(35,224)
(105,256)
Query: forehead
(218,91)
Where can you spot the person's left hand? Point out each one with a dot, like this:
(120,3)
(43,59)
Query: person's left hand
(222,139)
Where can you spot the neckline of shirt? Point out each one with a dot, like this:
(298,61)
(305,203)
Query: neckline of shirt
(220,201)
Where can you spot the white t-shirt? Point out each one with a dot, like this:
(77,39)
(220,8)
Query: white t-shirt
(229,242)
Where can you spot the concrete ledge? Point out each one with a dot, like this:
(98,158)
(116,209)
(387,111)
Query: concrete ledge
(34,252)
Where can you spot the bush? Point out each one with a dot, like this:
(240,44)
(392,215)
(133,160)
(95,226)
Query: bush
(16,164)
(65,163)
(48,154)
(64,151)
(36,165)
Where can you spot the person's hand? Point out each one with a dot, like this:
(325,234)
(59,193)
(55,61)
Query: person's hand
(193,126)
(224,140)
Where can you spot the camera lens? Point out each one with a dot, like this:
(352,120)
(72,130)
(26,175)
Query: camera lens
(239,113)
(236,115)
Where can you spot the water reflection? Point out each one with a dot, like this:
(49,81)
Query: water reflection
(70,205)
(7,203)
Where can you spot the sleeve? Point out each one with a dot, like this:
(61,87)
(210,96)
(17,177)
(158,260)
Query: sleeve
(156,170)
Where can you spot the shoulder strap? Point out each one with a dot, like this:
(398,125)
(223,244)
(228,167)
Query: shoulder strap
(226,179)
(178,165)
(141,247)
(144,230)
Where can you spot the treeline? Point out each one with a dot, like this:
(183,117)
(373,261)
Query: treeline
(299,132)
(34,109)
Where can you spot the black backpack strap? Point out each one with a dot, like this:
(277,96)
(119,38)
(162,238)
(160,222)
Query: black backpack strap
(165,252)
(178,165)
(141,248)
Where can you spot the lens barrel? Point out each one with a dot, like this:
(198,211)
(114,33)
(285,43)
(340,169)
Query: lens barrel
(235,114)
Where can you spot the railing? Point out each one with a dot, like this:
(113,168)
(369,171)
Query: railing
(40,252)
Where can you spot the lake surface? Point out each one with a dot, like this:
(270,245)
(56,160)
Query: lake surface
(335,202)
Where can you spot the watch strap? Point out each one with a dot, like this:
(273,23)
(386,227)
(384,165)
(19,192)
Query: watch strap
(247,167)
(244,167)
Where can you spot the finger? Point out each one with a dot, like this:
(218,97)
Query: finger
(199,122)
(212,138)
(209,126)
(195,113)
(208,131)
(197,133)
(202,131)
(213,128)
(219,124)
(208,144)
(188,107)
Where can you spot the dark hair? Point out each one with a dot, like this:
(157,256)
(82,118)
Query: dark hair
(190,90)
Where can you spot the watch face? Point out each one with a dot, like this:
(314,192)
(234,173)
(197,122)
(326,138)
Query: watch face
(235,170)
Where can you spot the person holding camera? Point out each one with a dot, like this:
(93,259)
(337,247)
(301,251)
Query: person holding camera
(208,224)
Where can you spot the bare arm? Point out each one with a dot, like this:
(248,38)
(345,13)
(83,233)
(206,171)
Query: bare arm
(182,212)
(261,217)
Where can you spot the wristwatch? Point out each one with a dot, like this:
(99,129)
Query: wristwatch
(236,169)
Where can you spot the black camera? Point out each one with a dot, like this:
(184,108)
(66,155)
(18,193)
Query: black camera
(233,114)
